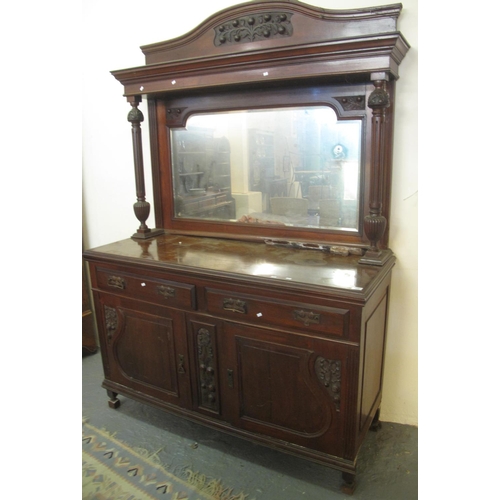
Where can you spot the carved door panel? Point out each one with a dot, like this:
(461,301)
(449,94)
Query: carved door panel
(145,348)
(292,387)
(203,333)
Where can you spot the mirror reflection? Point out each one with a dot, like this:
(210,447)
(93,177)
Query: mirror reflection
(296,167)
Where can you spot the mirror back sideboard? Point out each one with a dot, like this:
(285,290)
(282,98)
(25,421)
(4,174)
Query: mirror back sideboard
(238,311)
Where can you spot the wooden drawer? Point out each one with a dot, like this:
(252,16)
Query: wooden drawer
(159,291)
(303,316)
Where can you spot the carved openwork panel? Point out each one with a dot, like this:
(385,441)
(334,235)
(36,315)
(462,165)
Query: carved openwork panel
(264,26)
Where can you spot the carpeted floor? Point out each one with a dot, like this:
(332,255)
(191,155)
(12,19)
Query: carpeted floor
(112,470)
(387,465)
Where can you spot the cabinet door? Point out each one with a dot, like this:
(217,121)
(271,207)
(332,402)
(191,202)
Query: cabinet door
(289,386)
(144,348)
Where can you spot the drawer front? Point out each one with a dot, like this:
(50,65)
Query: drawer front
(303,316)
(159,291)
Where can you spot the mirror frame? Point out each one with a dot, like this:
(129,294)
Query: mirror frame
(285,50)
(248,99)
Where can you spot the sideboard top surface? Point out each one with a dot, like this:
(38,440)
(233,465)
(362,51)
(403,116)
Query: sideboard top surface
(257,261)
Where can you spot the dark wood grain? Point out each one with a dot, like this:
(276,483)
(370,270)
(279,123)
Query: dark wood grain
(330,54)
(292,360)
(274,334)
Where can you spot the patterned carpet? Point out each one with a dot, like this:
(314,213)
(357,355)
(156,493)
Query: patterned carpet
(113,471)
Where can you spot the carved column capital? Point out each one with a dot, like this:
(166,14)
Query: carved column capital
(135,115)
(379,99)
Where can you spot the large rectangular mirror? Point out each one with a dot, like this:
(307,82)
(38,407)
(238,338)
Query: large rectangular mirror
(288,166)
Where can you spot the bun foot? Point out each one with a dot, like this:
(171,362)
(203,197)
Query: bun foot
(349,484)
(113,402)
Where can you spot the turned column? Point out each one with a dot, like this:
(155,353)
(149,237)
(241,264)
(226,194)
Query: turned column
(141,206)
(375,223)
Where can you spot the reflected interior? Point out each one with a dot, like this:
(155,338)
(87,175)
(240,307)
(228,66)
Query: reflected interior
(295,167)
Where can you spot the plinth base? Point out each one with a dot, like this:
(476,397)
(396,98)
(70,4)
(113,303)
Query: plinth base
(376,258)
(149,233)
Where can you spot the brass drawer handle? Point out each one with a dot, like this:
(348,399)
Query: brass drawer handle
(166,291)
(234,305)
(306,317)
(116,282)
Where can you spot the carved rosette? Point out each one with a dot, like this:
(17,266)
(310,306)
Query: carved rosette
(111,320)
(206,382)
(254,28)
(329,374)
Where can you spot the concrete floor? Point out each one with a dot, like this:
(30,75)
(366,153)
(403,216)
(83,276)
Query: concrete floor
(387,464)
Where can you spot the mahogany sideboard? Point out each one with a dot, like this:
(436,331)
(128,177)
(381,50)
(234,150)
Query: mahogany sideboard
(279,345)
(258,304)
